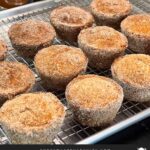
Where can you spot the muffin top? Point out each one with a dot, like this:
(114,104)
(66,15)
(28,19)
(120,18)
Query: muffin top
(60,61)
(31,32)
(71,16)
(15,78)
(138,24)
(133,69)
(92,91)
(3,48)
(32,111)
(111,8)
(103,38)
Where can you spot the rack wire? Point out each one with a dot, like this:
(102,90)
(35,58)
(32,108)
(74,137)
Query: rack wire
(71,131)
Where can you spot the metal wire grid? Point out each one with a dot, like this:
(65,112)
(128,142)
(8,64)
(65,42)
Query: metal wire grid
(71,131)
(142,4)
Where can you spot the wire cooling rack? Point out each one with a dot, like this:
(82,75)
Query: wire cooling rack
(72,132)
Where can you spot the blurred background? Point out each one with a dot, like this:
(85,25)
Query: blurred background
(14,3)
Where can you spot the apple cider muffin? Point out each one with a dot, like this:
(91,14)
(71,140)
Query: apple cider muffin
(29,36)
(15,78)
(137,29)
(59,64)
(33,118)
(132,72)
(69,21)
(94,100)
(3,50)
(110,12)
(102,45)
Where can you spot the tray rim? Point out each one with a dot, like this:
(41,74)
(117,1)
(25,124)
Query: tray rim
(116,128)
(5,14)
(26,8)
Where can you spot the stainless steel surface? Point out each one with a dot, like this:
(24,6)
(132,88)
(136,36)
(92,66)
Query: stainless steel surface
(72,132)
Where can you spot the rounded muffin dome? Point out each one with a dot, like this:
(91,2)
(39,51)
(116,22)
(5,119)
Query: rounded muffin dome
(59,64)
(132,73)
(110,12)
(27,37)
(102,45)
(94,100)
(137,29)
(69,21)
(32,118)
(15,78)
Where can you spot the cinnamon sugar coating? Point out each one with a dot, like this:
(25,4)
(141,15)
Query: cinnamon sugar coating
(94,99)
(69,21)
(3,49)
(137,29)
(132,73)
(91,91)
(60,65)
(110,12)
(103,38)
(102,45)
(111,8)
(31,115)
(15,78)
(29,36)
(138,24)
(133,69)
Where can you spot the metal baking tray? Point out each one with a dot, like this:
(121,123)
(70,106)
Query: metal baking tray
(72,132)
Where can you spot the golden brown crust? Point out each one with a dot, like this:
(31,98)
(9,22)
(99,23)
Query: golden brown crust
(15,78)
(32,112)
(71,16)
(111,8)
(102,45)
(103,38)
(61,63)
(69,21)
(31,33)
(92,91)
(133,69)
(94,100)
(60,60)
(138,25)
(3,49)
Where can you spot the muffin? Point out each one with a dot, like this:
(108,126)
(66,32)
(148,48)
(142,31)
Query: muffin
(137,29)
(59,64)
(29,36)
(94,100)
(110,12)
(132,72)
(15,78)
(102,45)
(3,50)
(69,21)
(33,118)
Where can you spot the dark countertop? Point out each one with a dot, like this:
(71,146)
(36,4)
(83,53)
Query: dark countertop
(138,134)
